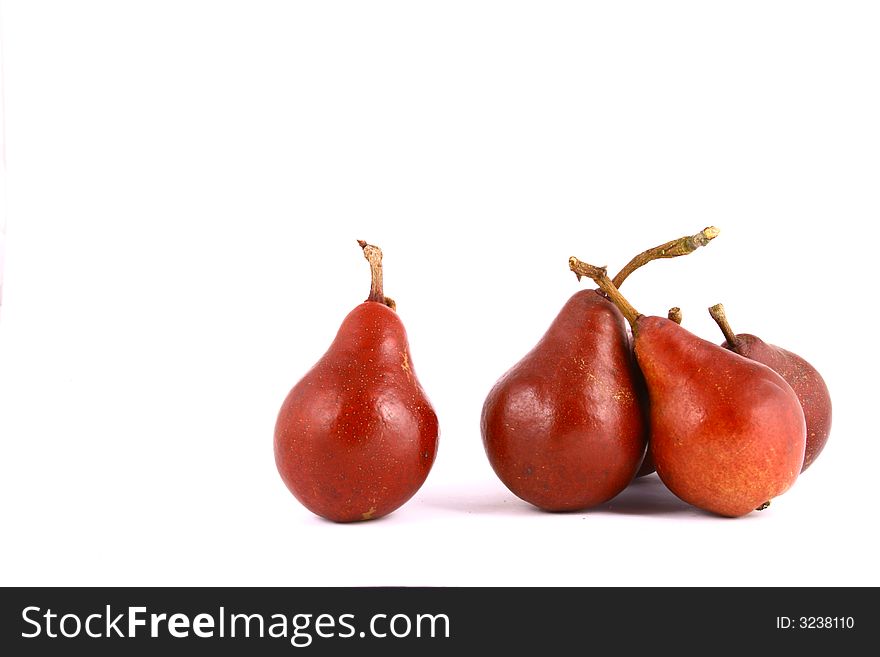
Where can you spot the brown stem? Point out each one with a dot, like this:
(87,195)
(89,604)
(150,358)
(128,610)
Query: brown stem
(720,317)
(600,276)
(675,314)
(681,246)
(373,254)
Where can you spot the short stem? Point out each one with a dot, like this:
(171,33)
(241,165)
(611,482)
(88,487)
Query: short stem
(720,317)
(675,314)
(600,276)
(681,246)
(373,254)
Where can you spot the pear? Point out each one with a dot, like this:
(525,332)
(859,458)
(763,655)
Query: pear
(564,427)
(727,433)
(356,437)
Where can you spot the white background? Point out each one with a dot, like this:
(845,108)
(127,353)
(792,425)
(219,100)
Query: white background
(186,182)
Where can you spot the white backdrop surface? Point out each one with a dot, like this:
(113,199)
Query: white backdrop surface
(186,182)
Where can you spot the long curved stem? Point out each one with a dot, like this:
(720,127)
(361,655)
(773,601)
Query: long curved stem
(373,254)
(673,249)
(600,276)
(720,317)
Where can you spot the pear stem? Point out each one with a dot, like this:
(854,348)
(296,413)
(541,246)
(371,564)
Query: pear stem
(373,254)
(675,314)
(720,317)
(600,276)
(673,249)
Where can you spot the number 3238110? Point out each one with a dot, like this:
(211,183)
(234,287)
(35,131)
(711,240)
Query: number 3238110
(815,622)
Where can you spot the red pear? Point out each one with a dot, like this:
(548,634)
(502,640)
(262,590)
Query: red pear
(805,380)
(564,428)
(727,433)
(357,436)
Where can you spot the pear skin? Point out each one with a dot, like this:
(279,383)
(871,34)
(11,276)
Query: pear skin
(804,379)
(727,433)
(564,428)
(356,437)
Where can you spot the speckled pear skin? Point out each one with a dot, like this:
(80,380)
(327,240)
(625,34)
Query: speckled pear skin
(804,379)
(357,436)
(727,433)
(564,428)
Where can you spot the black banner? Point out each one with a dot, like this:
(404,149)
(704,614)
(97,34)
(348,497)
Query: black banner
(172,621)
